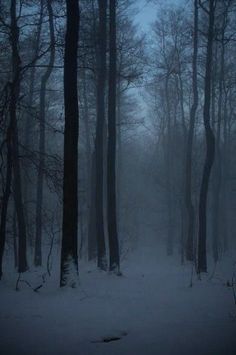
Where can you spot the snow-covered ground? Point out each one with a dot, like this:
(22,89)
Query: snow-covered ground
(151,308)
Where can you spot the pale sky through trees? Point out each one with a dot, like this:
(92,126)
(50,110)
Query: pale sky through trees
(148,11)
(146,15)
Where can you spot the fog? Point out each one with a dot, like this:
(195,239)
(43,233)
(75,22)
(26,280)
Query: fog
(117,177)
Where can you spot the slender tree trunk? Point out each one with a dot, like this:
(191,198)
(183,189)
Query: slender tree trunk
(210,146)
(40,177)
(188,177)
(15,90)
(14,228)
(28,123)
(119,164)
(217,169)
(225,155)
(69,248)
(180,203)
(99,141)
(169,189)
(182,235)
(218,211)
(5,199)
(90,176)
(111,152)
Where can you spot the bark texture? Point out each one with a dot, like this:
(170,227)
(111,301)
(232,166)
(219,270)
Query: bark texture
(69,248)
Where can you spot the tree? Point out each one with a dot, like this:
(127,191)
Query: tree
(69,252)
(15,92)
(111,152)
(189,147)
(210,142)
(99,140)
(6,194)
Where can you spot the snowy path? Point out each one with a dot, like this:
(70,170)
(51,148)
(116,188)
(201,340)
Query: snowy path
(151,308)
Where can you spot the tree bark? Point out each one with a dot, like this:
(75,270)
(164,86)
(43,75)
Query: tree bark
(90,177)
(169,189)
(111,149)
(99,141)
(5,199)
(188,177)
(15,91)
(218,203)
(69,248)
(210,146)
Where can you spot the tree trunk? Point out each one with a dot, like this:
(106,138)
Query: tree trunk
(119,164)
(189,148)
(41,167)
(15,90)
(111,149)
(14,228)
(169,189)
(217,170)
(210,146)
(225,165)
(218,211)
(99,141)
(90,177)
(69,248)
(5,199)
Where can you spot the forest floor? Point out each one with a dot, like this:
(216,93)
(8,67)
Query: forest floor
(150,310)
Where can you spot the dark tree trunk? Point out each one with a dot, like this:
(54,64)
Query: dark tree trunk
(210,146)
(217,170)
(41,167)
(14,228)
(5,199)
(15,90)
(218,211)
(119,164)
(189,148)
(225,165)
(111,150)
(69,248)
(99,147)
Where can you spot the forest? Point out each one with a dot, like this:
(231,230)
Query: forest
(117,177)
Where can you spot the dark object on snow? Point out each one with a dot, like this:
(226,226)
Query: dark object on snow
(108,339)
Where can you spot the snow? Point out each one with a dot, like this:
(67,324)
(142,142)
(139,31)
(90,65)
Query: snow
(151,308)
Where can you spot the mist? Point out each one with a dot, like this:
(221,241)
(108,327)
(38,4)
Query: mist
(117,177)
